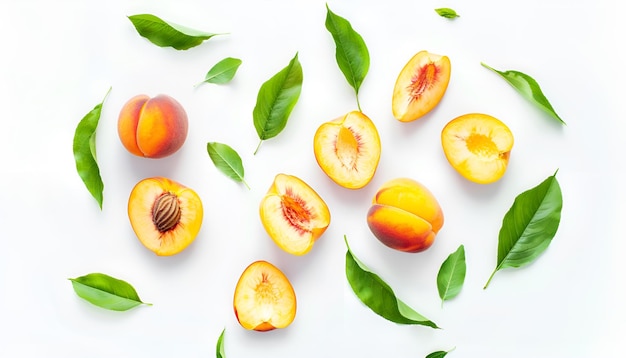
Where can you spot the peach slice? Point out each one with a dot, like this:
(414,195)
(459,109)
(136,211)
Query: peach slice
(478,146)
(293,214)
(405,215)
(264,298)
(420,86)
(165,215)
(348,149)
(152,127)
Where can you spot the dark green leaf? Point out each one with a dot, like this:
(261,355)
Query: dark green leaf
(451,275)
(447,13)
(106,292)
(437,354)
(351,52)
(530,225)
(84,147)
(378,296)
(227,161)
(164,34)
(223,71)
(528,88)
(219,349)
(276,99)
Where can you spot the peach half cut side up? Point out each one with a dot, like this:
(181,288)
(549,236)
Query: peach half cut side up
(293,214)
(264,298)
(348,149)
(478,147)
(165,215)
(420,86)
(405,215)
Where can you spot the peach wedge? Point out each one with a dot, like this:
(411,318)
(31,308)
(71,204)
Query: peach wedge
(264,298)
(165,215)
(477,146)
(348,149)
(420,86)
(293,214)
(405,215)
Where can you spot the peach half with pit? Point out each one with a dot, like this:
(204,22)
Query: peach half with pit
(420,86)
(264,298)
(165,215)
(293,214)
(347,149)
(152,127)
(477,146)
(405,215)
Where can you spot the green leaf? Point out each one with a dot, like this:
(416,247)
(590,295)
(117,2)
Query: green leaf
(528,88)
(437,354)
(106,292)
(227,161)
(84,147)
(223,71)
(529,226)
(276,99)
(447,13)
(451,275)
(219,349)
(378,296)
(164,34)
(351,52)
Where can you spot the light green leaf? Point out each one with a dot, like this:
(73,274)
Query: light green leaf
(530,225)
(378,296)
(223,71)
(351,52)
(219,349)
(227,160)
(84,147)
(164,34)
(106,292)
(528,88)
(447,13)
(451,275)
(276,99)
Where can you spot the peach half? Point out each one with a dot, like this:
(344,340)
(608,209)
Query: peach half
(405,215)
(152,127)
(478,147)
(293,214)
(264,298)
(420,86)
(165,215)
(348,149)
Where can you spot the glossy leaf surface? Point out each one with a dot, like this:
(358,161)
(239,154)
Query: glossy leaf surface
(227,160)
(378,296)
(168,34)
(223,71)
(528,88)
(84,147)
(351,52)
(530,225)
(106,292)
(219,349)
(437,354)
(276,99)
(451,275)
(447,12)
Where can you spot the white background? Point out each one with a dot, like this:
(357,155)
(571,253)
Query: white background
(59,58)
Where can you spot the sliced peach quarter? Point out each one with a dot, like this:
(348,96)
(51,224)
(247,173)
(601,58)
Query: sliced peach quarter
(264,298)
(420,86)
(348,149)
(165,215)
(405,215)
(293,214)
(478,147)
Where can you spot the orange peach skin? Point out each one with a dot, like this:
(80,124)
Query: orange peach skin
(152,127)
(405,215)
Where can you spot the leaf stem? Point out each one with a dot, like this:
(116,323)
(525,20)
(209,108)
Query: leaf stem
(258,146)
(490,277)
(245,183)
(358,104)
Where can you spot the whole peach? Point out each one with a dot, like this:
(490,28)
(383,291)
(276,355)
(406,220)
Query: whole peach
(152,127)
(405,215)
